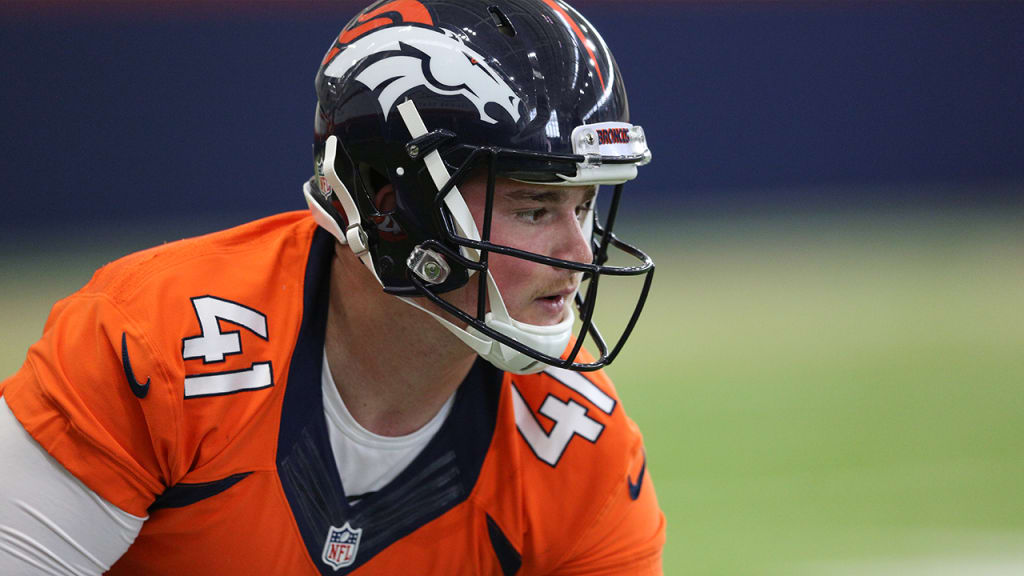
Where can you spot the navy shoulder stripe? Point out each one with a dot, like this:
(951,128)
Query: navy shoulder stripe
(184,494)
(508,556)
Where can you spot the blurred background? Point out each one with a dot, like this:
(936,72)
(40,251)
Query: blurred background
(830,371)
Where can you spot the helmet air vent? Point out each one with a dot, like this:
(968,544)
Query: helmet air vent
(501,22)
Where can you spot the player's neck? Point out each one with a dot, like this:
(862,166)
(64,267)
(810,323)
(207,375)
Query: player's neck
(393,365)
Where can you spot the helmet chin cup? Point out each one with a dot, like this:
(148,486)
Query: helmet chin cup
(549,340)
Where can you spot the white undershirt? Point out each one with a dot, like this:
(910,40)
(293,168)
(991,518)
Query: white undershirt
(368,461)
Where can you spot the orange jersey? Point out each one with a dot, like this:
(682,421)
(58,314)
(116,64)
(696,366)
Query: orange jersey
(183,383)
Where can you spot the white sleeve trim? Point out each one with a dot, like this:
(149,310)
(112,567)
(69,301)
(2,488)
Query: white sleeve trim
(51,523)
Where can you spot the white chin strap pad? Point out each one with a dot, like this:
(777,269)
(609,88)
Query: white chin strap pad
(550,340)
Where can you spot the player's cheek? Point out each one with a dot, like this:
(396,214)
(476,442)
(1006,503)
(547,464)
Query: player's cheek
(513,276)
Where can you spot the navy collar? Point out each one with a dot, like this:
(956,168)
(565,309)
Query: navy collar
(440,478)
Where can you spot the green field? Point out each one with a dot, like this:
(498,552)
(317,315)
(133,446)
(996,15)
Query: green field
(819,395)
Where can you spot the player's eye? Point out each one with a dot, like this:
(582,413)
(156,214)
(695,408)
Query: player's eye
(532,216)
(584,209)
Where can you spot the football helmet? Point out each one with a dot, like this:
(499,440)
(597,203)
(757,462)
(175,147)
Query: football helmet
(419,93)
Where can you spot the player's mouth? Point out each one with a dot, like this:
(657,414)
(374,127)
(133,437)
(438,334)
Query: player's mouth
(554,304)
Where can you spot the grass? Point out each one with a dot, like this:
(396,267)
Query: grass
(819,390)
(815,391)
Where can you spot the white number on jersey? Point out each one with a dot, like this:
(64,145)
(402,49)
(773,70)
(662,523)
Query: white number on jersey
(570,417)
(213,345)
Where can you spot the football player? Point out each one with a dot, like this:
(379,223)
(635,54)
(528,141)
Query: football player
(387,383)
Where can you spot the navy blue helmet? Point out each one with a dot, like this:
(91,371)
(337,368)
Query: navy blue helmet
(419,94)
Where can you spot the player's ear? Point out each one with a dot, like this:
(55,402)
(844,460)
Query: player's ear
(383,190)
(384,200)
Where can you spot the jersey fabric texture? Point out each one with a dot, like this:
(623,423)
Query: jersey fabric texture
(184,383)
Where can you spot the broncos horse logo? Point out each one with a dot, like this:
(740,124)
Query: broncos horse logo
(413,56)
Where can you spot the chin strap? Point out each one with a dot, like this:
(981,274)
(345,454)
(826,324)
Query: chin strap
(551,340)
(354,236)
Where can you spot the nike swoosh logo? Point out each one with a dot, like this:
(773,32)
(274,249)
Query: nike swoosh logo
(140,390)
(634,489)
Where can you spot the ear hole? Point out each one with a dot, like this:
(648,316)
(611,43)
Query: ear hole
(374,182)
(501,22)
(385,200)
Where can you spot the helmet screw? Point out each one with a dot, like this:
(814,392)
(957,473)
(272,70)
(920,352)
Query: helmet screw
(413,150)
(432,271)
(589,138)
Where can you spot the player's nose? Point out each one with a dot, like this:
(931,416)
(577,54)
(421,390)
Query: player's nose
(573,245)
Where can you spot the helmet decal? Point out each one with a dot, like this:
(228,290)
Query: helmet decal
(438,60)
(396,12)
(584,41)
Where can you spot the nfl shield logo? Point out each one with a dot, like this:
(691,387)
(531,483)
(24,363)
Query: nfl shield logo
(341,546)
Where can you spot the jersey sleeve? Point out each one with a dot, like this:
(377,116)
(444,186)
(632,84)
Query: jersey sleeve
(73,395)
(628,533)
